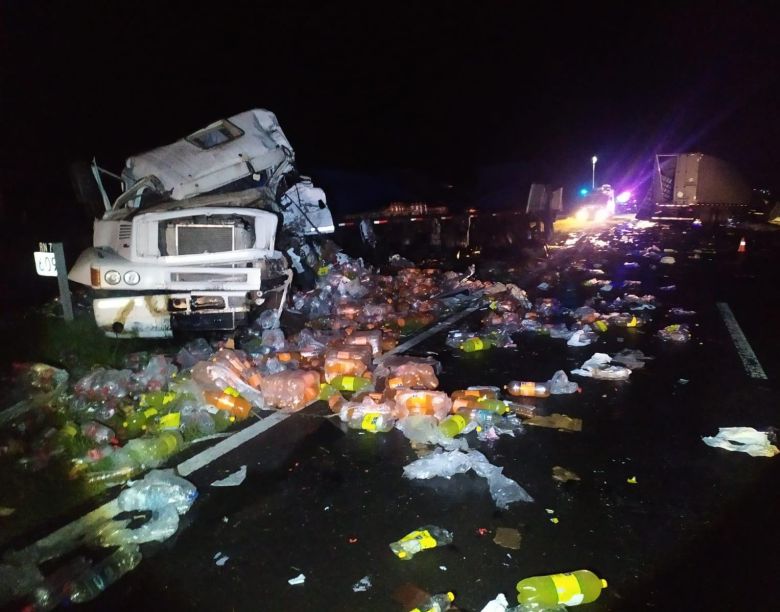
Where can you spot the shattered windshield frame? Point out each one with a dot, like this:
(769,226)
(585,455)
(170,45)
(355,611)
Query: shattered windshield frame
(216,134)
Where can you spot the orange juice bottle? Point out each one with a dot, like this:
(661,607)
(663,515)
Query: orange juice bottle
(527,389)
(229,400)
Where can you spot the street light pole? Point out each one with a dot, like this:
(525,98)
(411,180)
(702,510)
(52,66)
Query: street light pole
(593,159)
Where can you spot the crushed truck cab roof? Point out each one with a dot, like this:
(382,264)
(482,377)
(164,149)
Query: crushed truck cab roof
(217,155)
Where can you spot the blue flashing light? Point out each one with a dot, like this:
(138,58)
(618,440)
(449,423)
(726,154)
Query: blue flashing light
(583,192)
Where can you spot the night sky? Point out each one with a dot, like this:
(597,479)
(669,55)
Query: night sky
(443,88)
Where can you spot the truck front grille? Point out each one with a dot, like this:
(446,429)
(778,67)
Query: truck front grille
(198,239)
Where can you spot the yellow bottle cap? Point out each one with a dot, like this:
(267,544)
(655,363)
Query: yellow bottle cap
(603,584)
(451,596)
(401,554)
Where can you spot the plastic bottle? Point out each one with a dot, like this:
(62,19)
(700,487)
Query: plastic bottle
(570,589)
(151,451)
(350,383)
(428,536)
(436,603)
(452,425)
(51,592)
(97,432)
(107,572)
(134,424)
(494,405)
(472,345)
(372,421)
(527,389)
(197,422)
(230,401)
(475,393)
(222,420)
(483,418)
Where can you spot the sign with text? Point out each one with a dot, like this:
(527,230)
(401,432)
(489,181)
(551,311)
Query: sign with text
(45,263)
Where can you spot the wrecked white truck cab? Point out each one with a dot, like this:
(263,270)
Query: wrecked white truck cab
(191,243)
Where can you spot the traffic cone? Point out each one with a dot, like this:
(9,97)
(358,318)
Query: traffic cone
(742,245)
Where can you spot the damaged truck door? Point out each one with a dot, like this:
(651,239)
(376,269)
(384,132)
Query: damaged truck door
(190,244)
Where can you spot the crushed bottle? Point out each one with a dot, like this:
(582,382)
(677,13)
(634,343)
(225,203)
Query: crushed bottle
(105,573)
(423,538)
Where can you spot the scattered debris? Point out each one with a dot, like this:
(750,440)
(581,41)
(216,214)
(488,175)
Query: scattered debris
(428,536)
(446,464)
(362,585)
(220,559)
(631,480)
(233,480)
(508,537)
(299,579)
(499,604)
(598,366)
(556,421)
(561,474)
(743,439)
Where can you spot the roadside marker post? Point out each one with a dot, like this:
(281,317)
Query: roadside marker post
(50,261)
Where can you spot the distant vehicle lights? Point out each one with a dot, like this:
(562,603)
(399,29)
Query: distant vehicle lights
(623,197)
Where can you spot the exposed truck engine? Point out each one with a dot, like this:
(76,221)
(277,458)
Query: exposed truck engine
(206,231)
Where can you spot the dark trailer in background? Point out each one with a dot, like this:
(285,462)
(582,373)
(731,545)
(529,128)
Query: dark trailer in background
(697,186)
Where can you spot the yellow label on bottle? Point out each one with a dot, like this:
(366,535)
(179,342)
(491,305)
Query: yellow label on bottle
(150,412)
(348,383)
(673,328)
(633,322)
(323,270)
(568,587)
(369,421)
(172,420)
(423,537)
(600,325)
(231,391)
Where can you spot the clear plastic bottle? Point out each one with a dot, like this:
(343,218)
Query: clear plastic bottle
(93,582)
(483,418)
(428,536)
(436,603)
(569,589)
(520,388)
(372,421)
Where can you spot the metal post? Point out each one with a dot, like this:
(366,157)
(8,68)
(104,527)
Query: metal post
(62,280)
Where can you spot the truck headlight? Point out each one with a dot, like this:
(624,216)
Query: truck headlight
(602,214)
(132,277)
(112,277)
(581,215)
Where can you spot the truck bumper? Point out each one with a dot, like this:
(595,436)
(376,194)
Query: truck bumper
(158,316)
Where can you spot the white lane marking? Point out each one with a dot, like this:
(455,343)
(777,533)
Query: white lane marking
(202,459)
(744,350)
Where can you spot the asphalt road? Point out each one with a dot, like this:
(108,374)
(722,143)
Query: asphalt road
(696,531)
